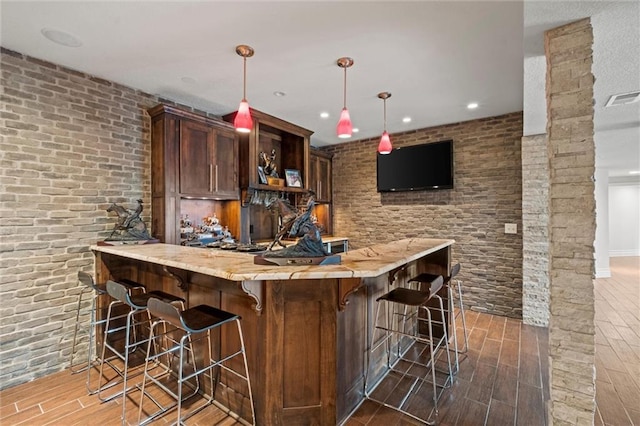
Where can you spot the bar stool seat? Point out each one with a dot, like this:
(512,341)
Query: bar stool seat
(420,315)
(197,321)
(135,304)
(96,290)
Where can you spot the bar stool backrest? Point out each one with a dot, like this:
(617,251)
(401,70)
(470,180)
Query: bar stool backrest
(118,291)
(165,311)
(454,270)
(435,286)
(87,280)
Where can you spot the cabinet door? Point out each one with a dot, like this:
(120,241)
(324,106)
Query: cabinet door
(324,179)
(226,164)
(196,162)
(313,175)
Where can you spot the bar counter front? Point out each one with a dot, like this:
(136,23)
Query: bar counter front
(307,328)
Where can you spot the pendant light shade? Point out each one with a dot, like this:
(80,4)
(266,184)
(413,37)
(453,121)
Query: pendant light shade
(385,147)
(243,121)
(345,129)
(344,125)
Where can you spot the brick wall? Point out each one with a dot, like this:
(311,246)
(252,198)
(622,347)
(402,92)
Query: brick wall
(535,230)
(71,144)
(572,227)
(487,194)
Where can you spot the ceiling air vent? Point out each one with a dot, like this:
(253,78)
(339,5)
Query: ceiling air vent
(623,99)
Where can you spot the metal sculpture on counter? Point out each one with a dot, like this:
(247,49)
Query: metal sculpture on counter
(129,226)
(308,249)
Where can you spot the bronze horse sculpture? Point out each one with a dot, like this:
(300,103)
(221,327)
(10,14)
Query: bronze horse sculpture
(129,225)
(296,224)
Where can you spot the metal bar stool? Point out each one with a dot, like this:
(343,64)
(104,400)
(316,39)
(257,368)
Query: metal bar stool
(96,290)
(199,320)
(413,302)
(454,293)
(136,304)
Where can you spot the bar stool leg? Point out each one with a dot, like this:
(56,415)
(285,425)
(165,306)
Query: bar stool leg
(464,320)
(452,316)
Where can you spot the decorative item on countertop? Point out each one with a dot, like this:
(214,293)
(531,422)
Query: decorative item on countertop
(308,250)
(129,228)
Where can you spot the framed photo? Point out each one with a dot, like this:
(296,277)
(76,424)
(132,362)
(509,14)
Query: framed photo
(293,178)
(262,175)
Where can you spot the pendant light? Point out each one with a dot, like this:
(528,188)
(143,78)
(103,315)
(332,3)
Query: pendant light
(345,128)
(243,122)
(384,147)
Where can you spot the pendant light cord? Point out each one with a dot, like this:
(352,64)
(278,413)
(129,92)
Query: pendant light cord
(244,86)
(384,102)
(345,87)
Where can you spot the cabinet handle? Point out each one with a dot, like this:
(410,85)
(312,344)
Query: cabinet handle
(319,189)
(216,178)
(210,177)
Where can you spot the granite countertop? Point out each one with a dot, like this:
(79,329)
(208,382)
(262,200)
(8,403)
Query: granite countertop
(372,261)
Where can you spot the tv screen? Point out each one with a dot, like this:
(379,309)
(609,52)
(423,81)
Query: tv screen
(417,167)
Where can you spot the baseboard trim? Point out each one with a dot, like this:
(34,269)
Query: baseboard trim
(623,253)
(603,273)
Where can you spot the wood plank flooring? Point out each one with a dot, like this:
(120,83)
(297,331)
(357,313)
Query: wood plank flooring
(502,381)
(618,344)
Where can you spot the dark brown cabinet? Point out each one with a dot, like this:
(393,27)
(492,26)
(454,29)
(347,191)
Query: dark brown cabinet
(320,175)
(194,171)
(208,161)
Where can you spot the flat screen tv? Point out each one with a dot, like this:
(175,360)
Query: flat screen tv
(417,167)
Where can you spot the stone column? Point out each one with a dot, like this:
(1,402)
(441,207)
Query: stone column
(535,231)
(572,226)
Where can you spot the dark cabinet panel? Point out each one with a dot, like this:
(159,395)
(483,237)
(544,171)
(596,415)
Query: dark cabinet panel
(320,175)
(193,158)
(196,158)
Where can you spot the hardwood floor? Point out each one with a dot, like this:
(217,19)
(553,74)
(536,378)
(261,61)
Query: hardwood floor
(618,344)
(502,381)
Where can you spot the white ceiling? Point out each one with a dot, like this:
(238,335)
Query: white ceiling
(434,57)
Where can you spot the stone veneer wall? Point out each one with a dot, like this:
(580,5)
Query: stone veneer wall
(71,144)
(572,228)
(487,194)
(535,230)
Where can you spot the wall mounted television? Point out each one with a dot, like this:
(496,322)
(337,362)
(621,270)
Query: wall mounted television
(426,166)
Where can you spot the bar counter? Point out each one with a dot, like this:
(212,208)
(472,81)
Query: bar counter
(307,328)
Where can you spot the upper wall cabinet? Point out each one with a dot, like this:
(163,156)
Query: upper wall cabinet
(288,142)
(320,175)
(208,161)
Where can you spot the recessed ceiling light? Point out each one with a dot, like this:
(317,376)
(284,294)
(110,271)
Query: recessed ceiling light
(472,105)
(188,80)
(324,115)
(61,38)
(406,120)
(279,94)
(634,172)
(355,130)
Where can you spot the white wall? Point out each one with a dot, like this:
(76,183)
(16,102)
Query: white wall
(624,219)
(601,243)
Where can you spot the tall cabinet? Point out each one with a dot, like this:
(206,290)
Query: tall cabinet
(194,171)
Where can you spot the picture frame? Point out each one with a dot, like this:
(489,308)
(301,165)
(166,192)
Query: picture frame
(293,178)
(262,175)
